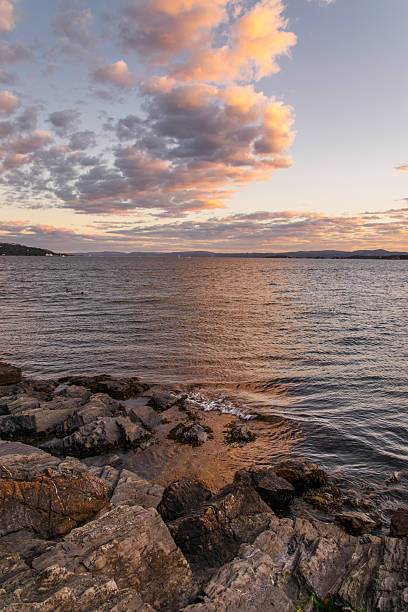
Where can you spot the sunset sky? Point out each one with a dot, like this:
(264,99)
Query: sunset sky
(225,125)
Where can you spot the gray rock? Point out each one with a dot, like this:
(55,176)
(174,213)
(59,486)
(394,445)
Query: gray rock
(50,497)
(192,433)
(9,374)
(23,403)
(74,391)
(399,523)
(163,400)
(132,490)
(131,546)
(140,412)
(18,448)
(32,423)
(292,560)
(100,436)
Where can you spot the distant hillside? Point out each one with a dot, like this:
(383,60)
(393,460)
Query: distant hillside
(7,248)
(367,254)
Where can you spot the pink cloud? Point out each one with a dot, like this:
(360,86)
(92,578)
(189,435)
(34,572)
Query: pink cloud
(403,168)
(117,74)
(8,103)
(7,16)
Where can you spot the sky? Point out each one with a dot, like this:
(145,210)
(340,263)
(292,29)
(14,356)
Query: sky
(223,125)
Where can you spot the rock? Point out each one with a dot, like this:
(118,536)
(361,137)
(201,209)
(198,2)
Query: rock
(118,388)
(308,566)
(32,424)
(163,400)
(275,491)
(9,374)
(356,523)
(395,477)
(109,476)
(132,490)
(18,448)
(210,535)
(74,391)
(131,546)
(50,497)
(56,590)
(325,498)
(140,412)
(194,434)
(87,414)
(23,403)
(182,496)
(100,436)
(399,523)
(236,432)
(301,473)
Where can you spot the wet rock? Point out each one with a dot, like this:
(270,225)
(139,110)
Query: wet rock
(182,496)
(210,535)
(325,498)
(301,473)
(356,523)
(163,400)
(131,546)
(193,434)
(9,374)
(50,497)
(275,491)
(237,432)
(118,388)
(394,478)
(100,436)
(399,523)
(133,490)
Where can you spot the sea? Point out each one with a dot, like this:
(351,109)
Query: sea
(316,350)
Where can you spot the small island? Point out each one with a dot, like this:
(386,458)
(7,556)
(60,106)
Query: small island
(7,248)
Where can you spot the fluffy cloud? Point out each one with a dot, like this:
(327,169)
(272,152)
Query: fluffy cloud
(63,121)
(117,74)
(7,16)
(185,34)
(8,103)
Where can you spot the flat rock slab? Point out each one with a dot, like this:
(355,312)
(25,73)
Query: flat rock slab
(18,448)
(9,374)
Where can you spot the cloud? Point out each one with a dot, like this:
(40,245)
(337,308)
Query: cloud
(7,16)
(30,143)
(74,28)
(117,74)
(80,141)
(13,52)
(7,78)
(183,34)
(260,231)
(63,121)
(403,168)
(8,103)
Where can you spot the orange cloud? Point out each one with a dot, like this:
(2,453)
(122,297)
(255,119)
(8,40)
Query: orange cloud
(7,16)
(8,103)
(403,168)
(118,74)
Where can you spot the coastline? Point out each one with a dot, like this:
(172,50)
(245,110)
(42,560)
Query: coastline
(281,532)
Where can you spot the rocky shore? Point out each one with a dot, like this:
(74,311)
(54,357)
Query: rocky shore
(84,523)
